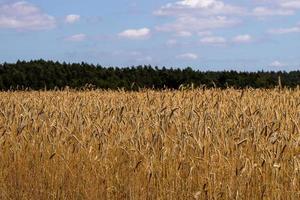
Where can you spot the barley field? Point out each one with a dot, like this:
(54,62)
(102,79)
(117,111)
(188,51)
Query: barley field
(189,144)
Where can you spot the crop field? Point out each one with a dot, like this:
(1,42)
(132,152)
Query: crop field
(188,144)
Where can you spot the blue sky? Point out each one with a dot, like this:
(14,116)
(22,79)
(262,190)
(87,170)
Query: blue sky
(204,34)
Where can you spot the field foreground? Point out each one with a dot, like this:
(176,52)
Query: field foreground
(198,144)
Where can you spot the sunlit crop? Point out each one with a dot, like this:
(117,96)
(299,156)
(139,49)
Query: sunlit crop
(193,144)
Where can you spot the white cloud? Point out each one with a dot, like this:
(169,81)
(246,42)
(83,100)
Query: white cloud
(291,4)
(194,16)
(277,64)
(276,8)
(204,33)
(143,33)
(24,16)
(242,38)
(194,24)
(201,17)
(135,53)
(184,34)
(281,31)
(213,40)
(171,42)
(76,38)
(265,11)
(188,56)
(144,59)
(70,19)
(137,57)
(202,7)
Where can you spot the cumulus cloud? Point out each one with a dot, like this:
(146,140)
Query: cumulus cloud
(276,8)
(171,42)
(137,57)
(265,11)
(184,34)
(144,59)
(203,7)
(24,16)
(188,56)
(280,31)
(70,19)
(136,34)
(76,38)
(277,64)
(204,33)
(194,16)
(194,24)
(291,4)
(242,38)
(213,40)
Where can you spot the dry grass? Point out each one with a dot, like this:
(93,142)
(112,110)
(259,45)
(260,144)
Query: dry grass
(198,144)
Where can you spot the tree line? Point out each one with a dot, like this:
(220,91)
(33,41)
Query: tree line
(41,74)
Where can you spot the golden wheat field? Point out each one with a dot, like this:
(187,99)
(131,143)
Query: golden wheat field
(193,144)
